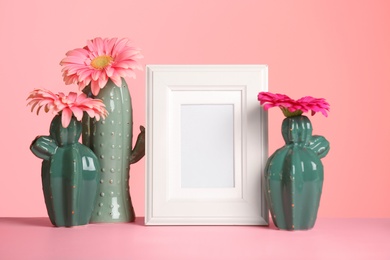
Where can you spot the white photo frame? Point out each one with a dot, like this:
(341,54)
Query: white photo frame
(206,145)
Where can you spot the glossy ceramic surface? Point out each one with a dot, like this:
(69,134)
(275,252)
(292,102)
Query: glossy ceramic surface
(294,176)
(111,140)
(69,174)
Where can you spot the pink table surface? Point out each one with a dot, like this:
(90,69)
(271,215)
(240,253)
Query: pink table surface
(35,238)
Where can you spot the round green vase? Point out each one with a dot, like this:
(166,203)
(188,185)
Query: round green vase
(294,176)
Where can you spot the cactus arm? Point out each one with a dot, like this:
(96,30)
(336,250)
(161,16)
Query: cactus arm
(139,149)
(44,147)
(319,145)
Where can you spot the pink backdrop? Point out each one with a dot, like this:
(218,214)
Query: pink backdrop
(339,50)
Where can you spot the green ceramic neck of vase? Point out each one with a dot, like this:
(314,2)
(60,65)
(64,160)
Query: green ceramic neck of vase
(297,129)
(65,136)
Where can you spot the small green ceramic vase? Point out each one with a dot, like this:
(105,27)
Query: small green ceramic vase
(294,176)
(111,141)
(69,174)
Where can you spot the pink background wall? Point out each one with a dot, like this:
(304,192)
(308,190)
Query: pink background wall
(339,50)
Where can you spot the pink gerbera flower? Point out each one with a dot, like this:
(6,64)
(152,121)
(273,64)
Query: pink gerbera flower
(100,60)
(291,107)
(67,105)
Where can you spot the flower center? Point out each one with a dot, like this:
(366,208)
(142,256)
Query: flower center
(101,62)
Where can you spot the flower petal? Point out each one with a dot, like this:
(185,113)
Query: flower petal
(95,87)
(77,112)
(117,81)
(66,116)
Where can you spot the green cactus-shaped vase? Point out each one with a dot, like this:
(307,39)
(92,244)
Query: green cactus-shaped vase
(111,140)
(294,176)
(69,174)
